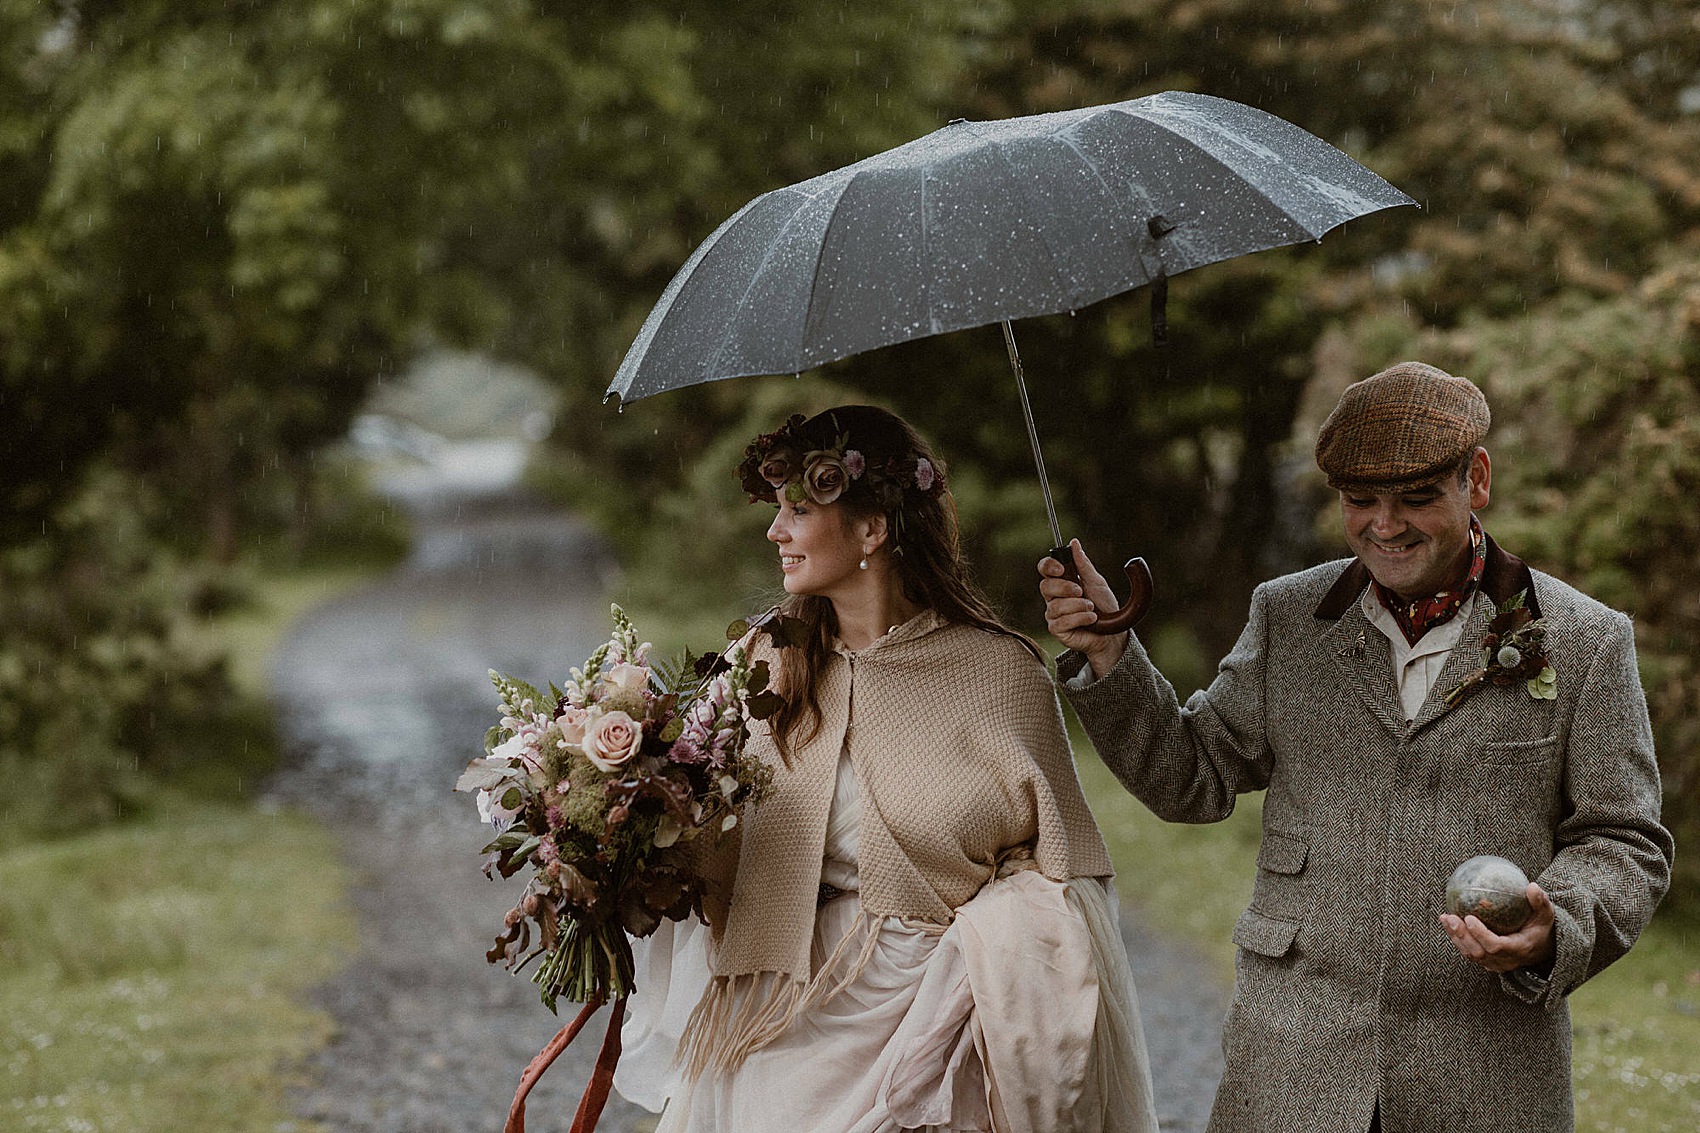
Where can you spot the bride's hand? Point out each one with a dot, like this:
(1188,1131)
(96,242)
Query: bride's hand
(1071,607)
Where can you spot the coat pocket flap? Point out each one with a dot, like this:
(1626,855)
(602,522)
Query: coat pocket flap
(1282,853)
(1264,935)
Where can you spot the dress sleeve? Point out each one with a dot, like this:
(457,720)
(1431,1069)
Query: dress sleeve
(672,970)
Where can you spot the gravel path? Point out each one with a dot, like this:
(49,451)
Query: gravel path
(383,699)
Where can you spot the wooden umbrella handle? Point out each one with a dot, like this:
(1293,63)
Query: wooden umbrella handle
(1140,589)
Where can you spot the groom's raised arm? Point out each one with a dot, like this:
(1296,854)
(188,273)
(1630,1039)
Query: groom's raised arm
(1187,763)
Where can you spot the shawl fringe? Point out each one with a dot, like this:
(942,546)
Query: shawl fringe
(734,1018)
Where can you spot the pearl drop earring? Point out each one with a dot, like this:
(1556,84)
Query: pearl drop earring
(863,565)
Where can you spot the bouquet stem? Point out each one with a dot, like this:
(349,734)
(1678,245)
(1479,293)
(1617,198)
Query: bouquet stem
(591,962)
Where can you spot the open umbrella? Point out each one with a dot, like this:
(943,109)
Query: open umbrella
(984,222)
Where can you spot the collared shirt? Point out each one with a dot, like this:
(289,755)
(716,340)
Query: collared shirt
(1416,667)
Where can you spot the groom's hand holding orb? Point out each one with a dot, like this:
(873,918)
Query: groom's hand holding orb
(1497,917)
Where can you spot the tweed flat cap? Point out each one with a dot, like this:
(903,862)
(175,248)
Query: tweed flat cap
(1401,429)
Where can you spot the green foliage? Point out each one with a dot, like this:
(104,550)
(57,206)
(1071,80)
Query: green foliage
(105,686)
(225,224)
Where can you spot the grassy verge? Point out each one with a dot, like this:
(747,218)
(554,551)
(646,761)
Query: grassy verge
(1637,1025)
(152,973)
(150,976)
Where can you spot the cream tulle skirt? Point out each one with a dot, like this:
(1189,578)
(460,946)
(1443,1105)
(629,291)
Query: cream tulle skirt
(1019,1017)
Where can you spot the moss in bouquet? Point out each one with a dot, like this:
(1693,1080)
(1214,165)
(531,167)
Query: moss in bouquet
(147,981)
(631,703)
(586,806)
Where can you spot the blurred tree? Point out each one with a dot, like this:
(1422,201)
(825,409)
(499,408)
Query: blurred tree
(705,105)
(219,228)
(219,224)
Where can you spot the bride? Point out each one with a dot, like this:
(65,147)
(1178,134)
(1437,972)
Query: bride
(915,929)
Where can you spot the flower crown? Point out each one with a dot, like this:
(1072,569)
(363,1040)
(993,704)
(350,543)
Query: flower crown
(783,462)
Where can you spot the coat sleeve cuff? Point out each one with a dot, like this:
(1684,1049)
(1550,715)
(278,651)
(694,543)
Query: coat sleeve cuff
(1548,989)
(1079,683)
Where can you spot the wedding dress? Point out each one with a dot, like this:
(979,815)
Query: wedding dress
(1018,1017)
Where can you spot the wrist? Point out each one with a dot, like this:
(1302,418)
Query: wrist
(1104,656)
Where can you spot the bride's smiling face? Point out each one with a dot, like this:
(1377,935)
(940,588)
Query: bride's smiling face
(818,550)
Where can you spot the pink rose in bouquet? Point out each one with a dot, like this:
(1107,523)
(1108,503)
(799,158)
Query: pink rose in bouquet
(611,740)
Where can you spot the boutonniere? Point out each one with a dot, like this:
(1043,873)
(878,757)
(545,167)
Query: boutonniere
(1513,650)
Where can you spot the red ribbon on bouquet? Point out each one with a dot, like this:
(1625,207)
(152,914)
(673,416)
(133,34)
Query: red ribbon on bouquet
(601,1079)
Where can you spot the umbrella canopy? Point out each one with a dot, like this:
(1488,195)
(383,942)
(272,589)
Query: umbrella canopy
(982,222)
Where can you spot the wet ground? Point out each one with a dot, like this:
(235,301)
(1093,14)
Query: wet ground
(384,698)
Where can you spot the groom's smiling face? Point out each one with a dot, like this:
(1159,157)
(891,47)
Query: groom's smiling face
(1417,543)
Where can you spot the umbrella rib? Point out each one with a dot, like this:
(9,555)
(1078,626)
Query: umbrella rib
(766,259)
(820,259)
(1220,163)
(663,306)
(925,259)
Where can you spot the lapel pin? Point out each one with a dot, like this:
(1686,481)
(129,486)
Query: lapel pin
(1355,651)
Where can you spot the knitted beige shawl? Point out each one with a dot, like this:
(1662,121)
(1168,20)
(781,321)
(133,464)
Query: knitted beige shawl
(957,741)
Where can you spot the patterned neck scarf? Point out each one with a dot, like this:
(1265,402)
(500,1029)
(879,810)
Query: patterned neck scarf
(1417,618)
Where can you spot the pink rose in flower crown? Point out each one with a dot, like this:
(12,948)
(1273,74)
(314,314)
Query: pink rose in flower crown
(924,474)
(611,740)
(855,463)
(824,476)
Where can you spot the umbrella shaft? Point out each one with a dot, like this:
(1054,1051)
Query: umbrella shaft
(1032,433)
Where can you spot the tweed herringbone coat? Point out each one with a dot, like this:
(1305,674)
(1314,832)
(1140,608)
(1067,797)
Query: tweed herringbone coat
(1347,989)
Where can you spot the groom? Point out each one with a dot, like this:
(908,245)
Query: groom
(1359,1003)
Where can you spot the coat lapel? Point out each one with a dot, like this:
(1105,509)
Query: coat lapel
(1365,660)
(1361,653)
(1505,575)
(1503,578)
(1464,659)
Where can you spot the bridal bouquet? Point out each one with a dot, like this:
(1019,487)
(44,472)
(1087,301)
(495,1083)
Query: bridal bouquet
(599,788)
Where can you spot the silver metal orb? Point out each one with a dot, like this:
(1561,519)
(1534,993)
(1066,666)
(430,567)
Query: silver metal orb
(1491,889)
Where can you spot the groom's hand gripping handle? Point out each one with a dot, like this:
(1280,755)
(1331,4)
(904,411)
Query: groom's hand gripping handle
(1074,592)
